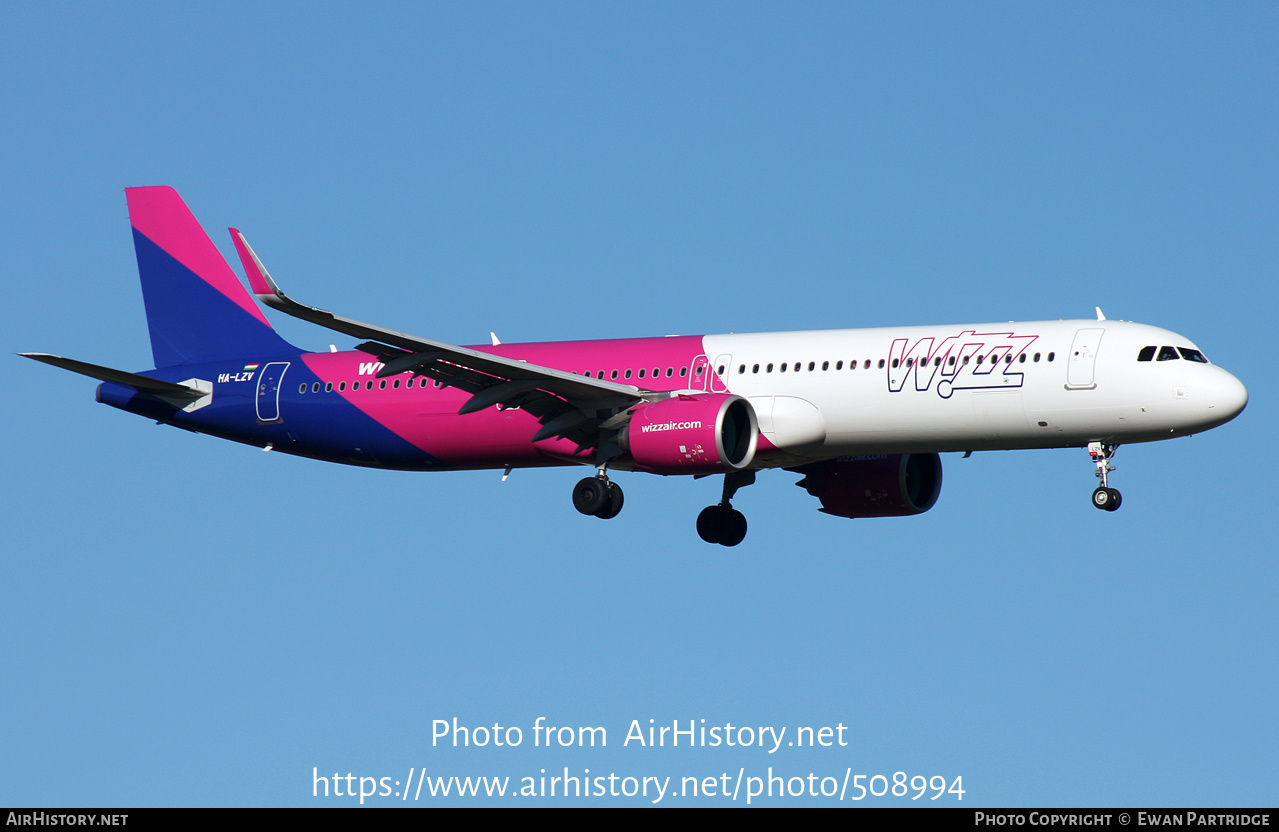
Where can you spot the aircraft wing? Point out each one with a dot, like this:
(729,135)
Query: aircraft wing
(567,404)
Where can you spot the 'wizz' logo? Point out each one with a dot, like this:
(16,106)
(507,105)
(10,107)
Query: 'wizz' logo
(968,361)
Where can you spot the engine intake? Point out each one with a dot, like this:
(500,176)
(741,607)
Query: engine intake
(885,485)
(705,433)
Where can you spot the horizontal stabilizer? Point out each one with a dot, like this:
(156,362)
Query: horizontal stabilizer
(137,382)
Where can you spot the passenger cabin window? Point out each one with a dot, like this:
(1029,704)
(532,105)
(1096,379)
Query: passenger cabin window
(1146,354)
(1168,354)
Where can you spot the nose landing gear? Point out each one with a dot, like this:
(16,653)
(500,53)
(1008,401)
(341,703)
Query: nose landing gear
(1104,497)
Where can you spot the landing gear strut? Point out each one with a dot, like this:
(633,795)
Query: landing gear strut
(1104,497)
(598,496)
(722,523)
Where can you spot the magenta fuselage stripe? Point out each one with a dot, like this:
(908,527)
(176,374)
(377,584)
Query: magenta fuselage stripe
(427,417)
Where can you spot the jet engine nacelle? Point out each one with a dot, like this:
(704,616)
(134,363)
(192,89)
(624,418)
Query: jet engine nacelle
(703,433)
(886,485)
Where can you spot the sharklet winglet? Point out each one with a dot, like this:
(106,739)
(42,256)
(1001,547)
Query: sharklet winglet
(259,278)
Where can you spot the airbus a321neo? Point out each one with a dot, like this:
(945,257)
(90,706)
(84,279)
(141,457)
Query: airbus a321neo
(860,414)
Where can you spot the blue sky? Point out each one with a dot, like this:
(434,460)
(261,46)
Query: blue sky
(184,621)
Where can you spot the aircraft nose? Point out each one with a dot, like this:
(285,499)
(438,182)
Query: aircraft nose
(1227,397)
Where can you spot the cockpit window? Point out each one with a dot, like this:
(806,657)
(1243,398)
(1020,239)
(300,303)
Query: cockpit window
(1192,355)
(1168,354)
(1146,354)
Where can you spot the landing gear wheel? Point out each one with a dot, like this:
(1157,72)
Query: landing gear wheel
(734,530)
(614,505)
(1106,498)
(709,523)
(590,496)
(721,524)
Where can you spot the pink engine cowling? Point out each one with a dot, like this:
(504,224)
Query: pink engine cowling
(703,433)
(885,485)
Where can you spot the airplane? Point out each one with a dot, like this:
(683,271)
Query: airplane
(861,414)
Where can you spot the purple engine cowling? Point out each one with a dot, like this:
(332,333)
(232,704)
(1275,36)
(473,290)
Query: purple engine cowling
(703,433)
(884,485)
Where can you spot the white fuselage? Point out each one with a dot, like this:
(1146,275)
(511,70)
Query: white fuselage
(972,387)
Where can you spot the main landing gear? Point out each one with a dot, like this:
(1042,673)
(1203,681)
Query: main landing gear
(1104,497)
(598,496)
(722,523)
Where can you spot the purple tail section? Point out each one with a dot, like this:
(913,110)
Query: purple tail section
(197,310)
